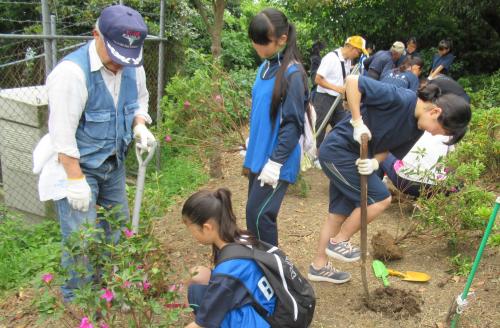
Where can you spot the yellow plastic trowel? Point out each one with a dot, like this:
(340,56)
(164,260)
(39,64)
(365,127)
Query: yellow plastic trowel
(410,275)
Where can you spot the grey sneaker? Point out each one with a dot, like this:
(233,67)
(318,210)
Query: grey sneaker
(329,274)
(343,251)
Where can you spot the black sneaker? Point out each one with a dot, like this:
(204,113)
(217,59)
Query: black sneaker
(329,274)
(343,251)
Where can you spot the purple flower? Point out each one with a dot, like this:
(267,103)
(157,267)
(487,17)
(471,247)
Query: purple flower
(187,104)
(440,177)
(108,295)
(168,138)
(85,323)
(104,325)
(453,189)
(47,278)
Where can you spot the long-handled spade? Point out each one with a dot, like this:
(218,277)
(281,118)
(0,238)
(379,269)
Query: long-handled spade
(364,213)
(458,304)
(141,176)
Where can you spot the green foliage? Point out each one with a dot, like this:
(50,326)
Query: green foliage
(212,95)
(129,271)
(26,250)
(461,265)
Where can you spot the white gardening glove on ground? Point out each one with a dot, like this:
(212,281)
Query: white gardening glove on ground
(143,136)
(243,151)
(79,194)
(359,129)
(367,166)
(270,174)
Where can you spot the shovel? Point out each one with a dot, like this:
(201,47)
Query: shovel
(380,271)
(141,176)
(410,275)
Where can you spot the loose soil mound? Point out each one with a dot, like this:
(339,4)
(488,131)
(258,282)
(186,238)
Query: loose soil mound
(394,303)
(385,248)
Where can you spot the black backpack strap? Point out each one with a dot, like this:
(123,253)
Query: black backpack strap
(341,63)
(239,251)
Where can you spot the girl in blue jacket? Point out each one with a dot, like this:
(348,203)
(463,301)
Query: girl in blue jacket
(279,97)
(225,296)
(394,119)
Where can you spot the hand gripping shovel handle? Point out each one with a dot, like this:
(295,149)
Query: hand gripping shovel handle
(364,211)
(141,175)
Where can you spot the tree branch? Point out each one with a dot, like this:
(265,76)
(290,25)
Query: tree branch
(203,13)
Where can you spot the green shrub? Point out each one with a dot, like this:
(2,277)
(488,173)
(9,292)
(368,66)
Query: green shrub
(211,103)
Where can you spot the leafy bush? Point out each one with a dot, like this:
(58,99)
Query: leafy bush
(26,250)
(211,103)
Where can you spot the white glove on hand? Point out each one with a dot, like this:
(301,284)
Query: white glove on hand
(367,166)
(270,174)
(359,129)
(143,136)
(79,194)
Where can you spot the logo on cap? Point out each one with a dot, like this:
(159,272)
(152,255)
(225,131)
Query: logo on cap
(131,36)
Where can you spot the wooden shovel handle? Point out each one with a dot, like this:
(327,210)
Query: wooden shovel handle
(364,211)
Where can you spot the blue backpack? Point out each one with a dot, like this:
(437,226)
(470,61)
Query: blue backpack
(295,299)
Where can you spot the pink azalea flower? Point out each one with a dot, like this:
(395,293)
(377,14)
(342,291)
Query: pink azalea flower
(85,323)
(108,295)
(47,278)
(172,288)
(128,233)
(127,284)
(187,104)
(218,98)
(168,138)
(146,285)
(104,325)
(453,189)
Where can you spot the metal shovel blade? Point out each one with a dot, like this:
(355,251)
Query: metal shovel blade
(410,275)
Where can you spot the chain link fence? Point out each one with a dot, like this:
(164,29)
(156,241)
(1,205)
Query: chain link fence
(24,109)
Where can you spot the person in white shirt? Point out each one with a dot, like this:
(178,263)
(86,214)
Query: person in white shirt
(330,77)
(98,102)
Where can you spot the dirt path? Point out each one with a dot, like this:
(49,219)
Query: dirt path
(340,305)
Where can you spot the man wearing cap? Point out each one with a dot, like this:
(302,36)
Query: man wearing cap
(385,60)
(98,101)
(330,77)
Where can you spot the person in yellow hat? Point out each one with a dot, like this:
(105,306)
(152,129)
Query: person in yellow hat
(330,77)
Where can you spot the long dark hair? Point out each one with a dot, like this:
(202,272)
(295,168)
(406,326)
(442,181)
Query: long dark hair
(269,25)
(205,204)
(455,111)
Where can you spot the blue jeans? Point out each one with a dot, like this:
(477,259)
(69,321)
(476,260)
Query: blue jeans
(107,184)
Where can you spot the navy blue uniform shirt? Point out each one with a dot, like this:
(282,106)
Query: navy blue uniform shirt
(389,113)
(445,60)
(378,62)
(405,79)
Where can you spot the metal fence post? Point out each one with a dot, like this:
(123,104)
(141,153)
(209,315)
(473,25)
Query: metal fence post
(161,74)
(46,31)
(53,42)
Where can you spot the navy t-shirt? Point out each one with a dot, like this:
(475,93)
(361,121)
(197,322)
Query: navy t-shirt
(389,113)
(379,61)
(445,60)
(405,79)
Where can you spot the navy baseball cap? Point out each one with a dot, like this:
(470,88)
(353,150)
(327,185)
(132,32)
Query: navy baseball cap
(123,31)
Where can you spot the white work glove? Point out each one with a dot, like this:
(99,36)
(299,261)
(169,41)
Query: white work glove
(79,194)
(367,166)
(270,174)
(243,151)
(143,136)
(359,129)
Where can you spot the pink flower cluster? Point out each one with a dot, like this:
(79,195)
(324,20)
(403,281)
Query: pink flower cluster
(47,278)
